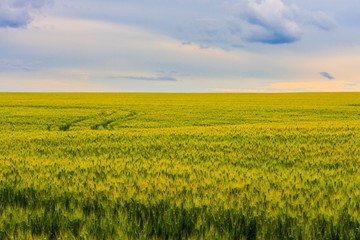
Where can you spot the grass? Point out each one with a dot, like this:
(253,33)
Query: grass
(179,166)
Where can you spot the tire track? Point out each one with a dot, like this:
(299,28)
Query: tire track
(107,124)
(66,126)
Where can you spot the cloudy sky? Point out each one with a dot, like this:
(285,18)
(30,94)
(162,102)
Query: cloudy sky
(180,45)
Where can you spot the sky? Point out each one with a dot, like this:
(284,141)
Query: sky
(179,46)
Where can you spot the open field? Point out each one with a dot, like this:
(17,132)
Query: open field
(179,166)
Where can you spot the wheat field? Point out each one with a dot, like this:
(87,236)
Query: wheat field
(179,166)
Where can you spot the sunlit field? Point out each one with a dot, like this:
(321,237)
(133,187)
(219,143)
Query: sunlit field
(179,166)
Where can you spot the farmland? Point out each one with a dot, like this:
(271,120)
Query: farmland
(179,166)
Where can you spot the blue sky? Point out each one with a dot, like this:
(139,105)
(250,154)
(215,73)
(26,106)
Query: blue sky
(180,45)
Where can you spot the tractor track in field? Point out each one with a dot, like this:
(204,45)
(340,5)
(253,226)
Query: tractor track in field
(107,124)
(66,126)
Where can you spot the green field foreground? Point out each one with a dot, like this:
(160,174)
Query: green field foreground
(179,166)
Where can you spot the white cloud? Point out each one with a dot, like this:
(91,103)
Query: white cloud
(18,13)
(274,22)
(239,21)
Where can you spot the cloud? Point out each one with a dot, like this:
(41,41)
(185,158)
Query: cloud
(327,75)
(261,21)
(18,13)
(161,78)
(273,22)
